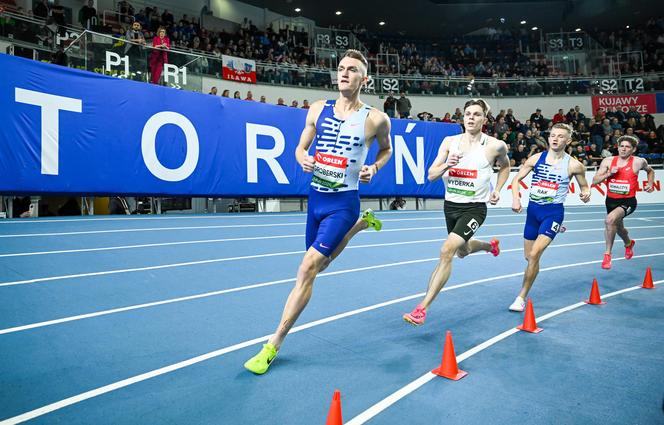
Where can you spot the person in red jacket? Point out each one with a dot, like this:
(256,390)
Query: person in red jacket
(620,174)
(159,55)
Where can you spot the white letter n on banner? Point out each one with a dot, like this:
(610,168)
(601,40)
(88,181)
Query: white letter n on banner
(401,154)
(50,106)
(268,155)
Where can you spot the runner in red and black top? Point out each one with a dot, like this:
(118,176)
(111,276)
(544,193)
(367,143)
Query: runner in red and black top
(621,175)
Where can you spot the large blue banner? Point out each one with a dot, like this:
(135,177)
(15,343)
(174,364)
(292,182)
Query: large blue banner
(69,131)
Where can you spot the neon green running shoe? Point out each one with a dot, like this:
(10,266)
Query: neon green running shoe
(369,216)
(262,361)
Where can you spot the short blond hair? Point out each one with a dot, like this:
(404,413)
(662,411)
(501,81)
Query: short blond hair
(561,125)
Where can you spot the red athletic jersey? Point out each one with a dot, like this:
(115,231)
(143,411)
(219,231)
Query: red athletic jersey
(622,184)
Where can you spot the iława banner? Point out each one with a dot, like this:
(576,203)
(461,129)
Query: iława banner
(69,131)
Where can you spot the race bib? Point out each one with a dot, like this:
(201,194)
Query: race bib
(329,170)
(544,191)
(619,187)
(462,182)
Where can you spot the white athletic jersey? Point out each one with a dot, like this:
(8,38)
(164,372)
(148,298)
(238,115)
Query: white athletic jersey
(469,180)
(340,149)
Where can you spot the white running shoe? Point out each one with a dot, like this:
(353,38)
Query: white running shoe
(519,304)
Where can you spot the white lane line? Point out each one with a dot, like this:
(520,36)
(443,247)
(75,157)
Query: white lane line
(222,216)
(209,241)
(277,282)
(214,260)
(194,360)
(388,401)
(243,226)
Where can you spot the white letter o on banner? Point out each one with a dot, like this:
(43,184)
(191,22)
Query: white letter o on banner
(149,150)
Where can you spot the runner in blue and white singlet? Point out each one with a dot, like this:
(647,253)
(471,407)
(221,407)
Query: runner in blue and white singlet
(548,190)
(552,171)
(334,201)
(341,131)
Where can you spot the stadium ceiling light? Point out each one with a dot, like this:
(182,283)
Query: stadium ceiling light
(627,26)
(338,12)
(523,22)
(578,29)
(534,28)
(297,9)
(381,23)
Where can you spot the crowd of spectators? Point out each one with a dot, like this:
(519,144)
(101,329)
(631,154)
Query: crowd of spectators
(496,54)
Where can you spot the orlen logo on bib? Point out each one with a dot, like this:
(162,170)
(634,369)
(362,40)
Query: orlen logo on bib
(331,160)
(463,173)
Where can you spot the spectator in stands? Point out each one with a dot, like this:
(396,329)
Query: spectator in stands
(425,116)
(226,93)
(447,118)
(537,119)
(294,104)
(159,55)
(583,133)
(559,117)
(390,104)
(236,95)
(280,102)
(596,133)
(519,156)
(641,128)
(263,100)
(58,13)
(580,155)
(615,125)
(213,91)
(633,113)
(501,127)
(655,144)
(606,127)
(594,155)
(86,15)
(305,104)
(457,115)
(403,106)
(126,10)
(59,57)
(41,10)
(167,18)
(250,96)
(617,113)
(135,35)
(509,119)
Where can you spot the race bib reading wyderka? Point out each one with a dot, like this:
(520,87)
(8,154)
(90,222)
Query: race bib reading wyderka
(462,181)
(329,170)
(544,191)
(619,187)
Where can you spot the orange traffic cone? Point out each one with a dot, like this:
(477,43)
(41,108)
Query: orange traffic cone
(529,324)
(448,366)
(647,281)
(334,416)
(595,299)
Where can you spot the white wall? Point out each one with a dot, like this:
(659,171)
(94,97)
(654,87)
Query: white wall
(522,106)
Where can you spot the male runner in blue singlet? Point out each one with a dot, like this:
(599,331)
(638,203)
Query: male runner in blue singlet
(343,130)
(552,171)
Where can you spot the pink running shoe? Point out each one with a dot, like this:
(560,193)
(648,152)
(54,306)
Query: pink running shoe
(629,250)
(495,247)
(417,316)
(606,262)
